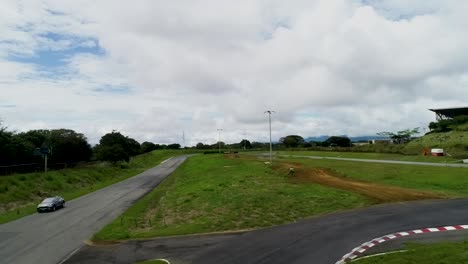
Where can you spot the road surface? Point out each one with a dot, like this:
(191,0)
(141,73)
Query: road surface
(325,240)
(320,240)
(51,237)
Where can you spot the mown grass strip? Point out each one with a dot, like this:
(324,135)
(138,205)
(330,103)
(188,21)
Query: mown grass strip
(447,252)
(20,193)
(210,193)
(445,180)
(378,156)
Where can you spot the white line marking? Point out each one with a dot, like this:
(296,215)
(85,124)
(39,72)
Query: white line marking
(381,254)
(165,260)
(69,255)
(166,160)
(367,245)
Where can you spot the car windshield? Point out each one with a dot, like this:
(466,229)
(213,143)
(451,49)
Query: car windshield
(48,200)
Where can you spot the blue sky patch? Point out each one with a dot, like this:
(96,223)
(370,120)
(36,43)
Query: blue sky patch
(52,58)
(398,13)
(56,49)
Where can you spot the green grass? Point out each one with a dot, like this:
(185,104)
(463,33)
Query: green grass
(20,193)
(446,180)
(364,155)
(454,142)
(211,193)
(440,253)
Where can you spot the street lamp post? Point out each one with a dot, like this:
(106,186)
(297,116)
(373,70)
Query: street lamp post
(245,140)
(219,139)
(269,122)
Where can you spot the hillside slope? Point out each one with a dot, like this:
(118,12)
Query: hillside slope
(454,142)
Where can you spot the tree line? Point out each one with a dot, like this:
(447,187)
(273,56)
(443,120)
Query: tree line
(20,150)
(290,141)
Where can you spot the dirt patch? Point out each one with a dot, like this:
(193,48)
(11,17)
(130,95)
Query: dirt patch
(379,192)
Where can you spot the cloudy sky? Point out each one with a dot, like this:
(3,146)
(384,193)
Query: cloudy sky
(156,70)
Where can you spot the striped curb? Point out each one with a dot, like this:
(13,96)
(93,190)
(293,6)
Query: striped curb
(376,241)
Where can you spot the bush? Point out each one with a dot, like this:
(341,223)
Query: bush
(113,153)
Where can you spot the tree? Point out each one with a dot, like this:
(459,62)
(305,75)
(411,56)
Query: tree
(218,145)
(125,147)
(14,149)
(112,153)
(245,144)
(338,141)
(173,146)
(433,126)
(132,146)
(201,146)
(260,145)
(402,136)
(292,141)
(67,145)
(36,137)
(148,147)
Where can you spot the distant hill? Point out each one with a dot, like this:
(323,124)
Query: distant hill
(353,139)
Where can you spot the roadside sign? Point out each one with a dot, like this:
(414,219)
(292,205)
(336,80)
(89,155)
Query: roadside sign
(44,150)
(37,152)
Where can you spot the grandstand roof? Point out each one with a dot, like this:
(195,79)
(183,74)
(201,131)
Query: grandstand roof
(449,113)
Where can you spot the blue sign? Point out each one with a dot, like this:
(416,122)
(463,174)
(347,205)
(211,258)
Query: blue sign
(44,150)
(37,152)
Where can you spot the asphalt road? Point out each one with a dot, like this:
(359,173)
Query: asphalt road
(51,237)
(457,165)
(325,240)
(320,240)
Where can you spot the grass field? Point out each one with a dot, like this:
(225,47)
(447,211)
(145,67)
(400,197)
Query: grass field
(211,193)
(19,194)
(445,180)
(380,156)
(440,253)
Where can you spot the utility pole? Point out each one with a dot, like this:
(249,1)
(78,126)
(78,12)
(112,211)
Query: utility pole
(244,139)
(269,122)
(219,139)
(45,163)
(183,139)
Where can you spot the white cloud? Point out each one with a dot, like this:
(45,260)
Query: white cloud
(167,68)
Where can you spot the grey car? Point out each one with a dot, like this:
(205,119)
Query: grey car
(51,204)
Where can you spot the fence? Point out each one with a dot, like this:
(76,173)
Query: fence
(38,167)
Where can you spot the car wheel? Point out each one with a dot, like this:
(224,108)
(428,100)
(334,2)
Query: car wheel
(53,208)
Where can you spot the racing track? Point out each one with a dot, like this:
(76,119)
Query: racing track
(326,239)
(320,240)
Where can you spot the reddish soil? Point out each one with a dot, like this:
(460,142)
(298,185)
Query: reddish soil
(378,192)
